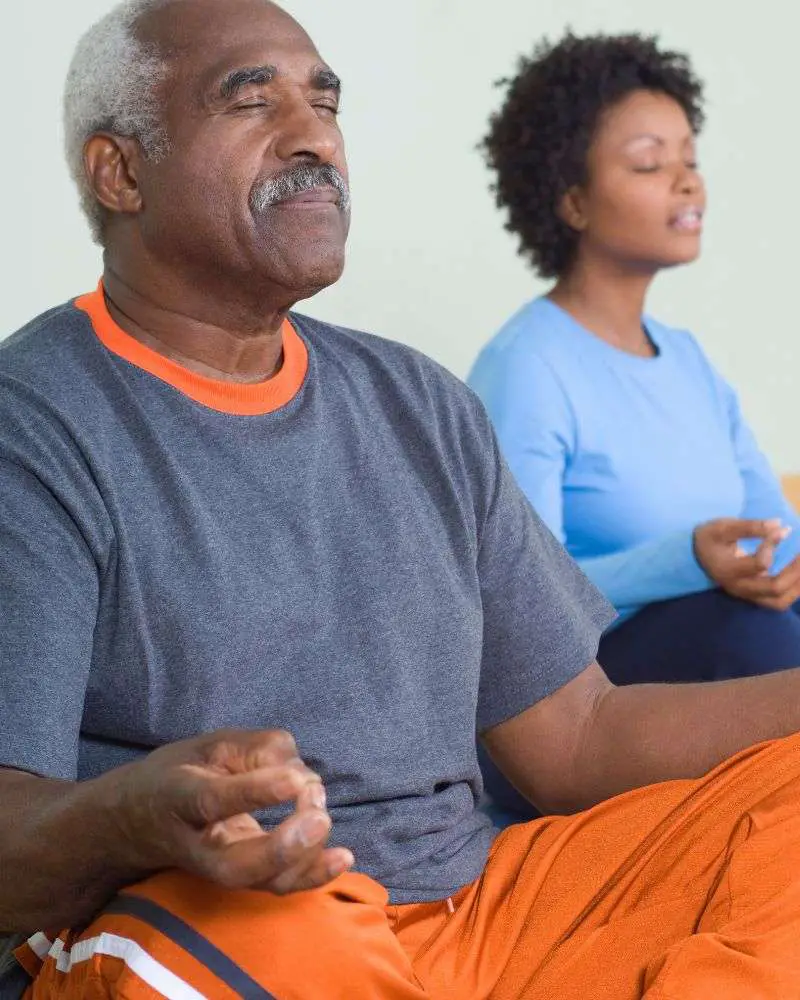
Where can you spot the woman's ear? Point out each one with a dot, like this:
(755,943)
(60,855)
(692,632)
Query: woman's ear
(571,210)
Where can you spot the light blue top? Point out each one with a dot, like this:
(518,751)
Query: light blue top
(623,456)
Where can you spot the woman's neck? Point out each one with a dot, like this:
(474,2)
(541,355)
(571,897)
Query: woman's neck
(608,303)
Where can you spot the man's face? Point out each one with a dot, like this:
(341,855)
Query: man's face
(255,185)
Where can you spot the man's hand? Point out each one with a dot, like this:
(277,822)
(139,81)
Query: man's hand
(187,806)
(717,549)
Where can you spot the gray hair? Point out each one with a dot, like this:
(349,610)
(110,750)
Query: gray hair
(111,87)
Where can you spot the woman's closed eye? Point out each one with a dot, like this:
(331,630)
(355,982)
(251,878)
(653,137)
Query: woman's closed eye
(652,168)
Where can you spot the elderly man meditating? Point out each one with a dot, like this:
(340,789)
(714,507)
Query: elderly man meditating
(264,578)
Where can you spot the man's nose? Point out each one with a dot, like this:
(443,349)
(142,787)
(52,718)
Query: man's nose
(305,134)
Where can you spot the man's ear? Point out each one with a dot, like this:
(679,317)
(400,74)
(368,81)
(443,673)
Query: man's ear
(112,165)
(571,210)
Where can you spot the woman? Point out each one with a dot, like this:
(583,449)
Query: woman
(627,441)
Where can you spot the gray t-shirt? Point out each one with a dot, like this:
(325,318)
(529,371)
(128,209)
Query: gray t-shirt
(356,565)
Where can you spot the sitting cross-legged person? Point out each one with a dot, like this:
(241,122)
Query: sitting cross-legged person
(263,580)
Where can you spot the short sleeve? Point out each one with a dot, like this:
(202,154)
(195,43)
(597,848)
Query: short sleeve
(542,617)
(49,597)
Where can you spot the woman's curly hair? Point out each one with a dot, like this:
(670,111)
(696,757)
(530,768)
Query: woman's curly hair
(538,142)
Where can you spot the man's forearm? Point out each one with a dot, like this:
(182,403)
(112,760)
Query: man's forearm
(647,733)
(61,854)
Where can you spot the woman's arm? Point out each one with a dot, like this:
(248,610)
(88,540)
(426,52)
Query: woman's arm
(537,428)
(763,494)
(655,571)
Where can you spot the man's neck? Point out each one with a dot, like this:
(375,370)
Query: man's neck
(608,301)
(237,344)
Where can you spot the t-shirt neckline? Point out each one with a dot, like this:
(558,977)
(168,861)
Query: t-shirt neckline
(243,399)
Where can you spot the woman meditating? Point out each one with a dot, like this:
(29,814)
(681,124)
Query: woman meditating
(627,441)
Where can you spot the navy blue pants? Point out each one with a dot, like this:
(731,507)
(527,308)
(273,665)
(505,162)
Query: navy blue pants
(702,637)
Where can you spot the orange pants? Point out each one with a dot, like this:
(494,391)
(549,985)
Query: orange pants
(689,890)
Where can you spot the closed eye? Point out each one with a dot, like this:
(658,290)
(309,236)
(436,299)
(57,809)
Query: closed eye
(255,102)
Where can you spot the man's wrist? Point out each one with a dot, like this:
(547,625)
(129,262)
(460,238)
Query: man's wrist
(117,821)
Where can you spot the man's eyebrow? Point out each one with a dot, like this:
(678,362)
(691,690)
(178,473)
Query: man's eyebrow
(323,78)
(237,79)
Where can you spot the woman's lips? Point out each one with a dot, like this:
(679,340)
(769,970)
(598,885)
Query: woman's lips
(688,220)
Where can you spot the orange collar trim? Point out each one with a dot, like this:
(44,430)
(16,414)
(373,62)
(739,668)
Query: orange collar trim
(227,397)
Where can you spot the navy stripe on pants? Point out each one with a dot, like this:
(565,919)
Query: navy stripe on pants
(192,941)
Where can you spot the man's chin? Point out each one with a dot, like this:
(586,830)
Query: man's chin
(310,275)
(304,258)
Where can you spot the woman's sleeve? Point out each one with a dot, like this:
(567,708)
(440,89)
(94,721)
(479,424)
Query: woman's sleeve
(535,426)
(655,571)
(763,494)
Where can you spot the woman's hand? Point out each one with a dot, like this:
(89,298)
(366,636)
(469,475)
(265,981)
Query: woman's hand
(717,549)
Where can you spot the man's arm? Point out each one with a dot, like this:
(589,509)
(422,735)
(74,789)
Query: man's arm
(59,857)
(591,740)
(66,847)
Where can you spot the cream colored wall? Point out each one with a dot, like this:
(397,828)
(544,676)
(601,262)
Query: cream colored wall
(429,261)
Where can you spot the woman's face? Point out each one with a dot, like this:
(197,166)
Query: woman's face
(644,200)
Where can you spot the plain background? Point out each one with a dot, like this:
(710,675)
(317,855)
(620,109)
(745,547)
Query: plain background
(429,261)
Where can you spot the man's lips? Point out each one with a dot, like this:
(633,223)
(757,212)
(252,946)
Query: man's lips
(314,198)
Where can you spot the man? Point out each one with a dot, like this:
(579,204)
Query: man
(224,524)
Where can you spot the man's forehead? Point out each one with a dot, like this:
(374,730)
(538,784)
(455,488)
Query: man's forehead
(210,33)
(210,41)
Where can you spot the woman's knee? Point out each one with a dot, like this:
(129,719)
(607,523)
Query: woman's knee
(707,636)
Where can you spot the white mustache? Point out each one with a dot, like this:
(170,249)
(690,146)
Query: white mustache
(296,181)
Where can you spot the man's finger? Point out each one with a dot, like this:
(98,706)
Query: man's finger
(229,831)
(328,865)
(296,843)
(204,798)
(312,796)
(237,750)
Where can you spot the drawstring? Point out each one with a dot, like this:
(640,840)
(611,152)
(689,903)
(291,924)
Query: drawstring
(450,906)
